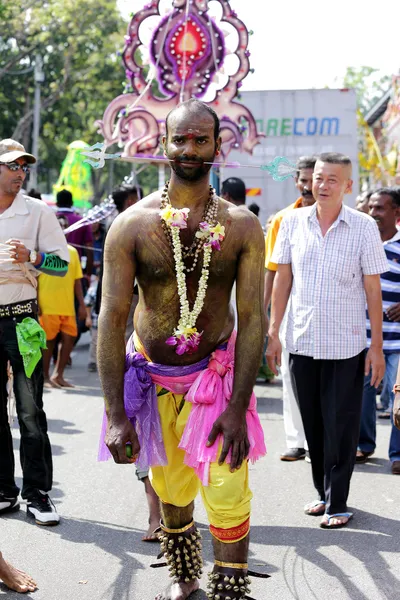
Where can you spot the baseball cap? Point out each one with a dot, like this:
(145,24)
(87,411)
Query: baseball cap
(11,150)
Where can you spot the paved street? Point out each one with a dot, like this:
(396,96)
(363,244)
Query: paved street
(96,553)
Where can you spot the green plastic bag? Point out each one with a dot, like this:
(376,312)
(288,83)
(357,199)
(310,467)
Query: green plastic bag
(31,340)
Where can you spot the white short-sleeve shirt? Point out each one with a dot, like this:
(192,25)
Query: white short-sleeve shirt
(326,309)
(33,223)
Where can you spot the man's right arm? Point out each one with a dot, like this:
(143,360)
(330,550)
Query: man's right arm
(280,296)
(117,286)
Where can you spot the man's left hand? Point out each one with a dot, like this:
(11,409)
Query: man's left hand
(375,361)
(393,312)
(19,252)
(233,427)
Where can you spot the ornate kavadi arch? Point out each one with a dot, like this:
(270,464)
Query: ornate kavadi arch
(187,54)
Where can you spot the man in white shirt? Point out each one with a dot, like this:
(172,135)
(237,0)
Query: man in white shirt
(31,241)
(329,258)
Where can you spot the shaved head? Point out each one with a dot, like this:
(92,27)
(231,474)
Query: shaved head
(192,108)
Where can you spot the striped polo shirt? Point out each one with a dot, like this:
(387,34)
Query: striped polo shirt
(390,282)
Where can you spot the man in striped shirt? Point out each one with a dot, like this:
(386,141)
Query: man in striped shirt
(329,258)
(384,207)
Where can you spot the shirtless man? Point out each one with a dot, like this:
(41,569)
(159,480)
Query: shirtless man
(15,579)
(137,246)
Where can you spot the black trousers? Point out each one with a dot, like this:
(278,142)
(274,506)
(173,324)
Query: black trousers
(35,450)
(329,394)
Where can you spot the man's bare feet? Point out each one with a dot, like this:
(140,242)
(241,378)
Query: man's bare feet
(336,521)
(50,384)
(61,382)
(152,535)
(15,579)
(179,591)
(315,509)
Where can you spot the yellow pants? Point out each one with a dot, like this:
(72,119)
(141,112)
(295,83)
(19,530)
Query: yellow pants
(227,496)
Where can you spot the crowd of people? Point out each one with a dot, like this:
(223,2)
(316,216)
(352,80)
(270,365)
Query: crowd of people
(322,283)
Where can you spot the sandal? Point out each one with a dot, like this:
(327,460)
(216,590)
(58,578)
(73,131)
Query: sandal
(325,524)
(362,457)
(311,505)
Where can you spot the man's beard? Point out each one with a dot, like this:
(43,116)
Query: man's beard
(194,173)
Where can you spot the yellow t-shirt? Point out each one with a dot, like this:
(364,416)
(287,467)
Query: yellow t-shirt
(56,294)
(272,234)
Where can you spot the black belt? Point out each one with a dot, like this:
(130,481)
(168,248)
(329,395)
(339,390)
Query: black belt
(19,309)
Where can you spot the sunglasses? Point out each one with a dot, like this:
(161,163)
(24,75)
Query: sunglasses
(14,166)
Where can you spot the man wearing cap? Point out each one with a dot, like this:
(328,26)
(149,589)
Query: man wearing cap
(31,241)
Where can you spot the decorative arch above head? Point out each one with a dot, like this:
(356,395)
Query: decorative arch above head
(187,54)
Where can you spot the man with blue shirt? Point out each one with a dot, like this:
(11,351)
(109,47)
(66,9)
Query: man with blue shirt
(384,207)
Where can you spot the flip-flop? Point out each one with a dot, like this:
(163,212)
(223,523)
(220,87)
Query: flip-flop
(313,505)
(325,525)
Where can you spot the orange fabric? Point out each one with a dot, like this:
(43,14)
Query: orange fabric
(232,535)
(53,324)
(273,231)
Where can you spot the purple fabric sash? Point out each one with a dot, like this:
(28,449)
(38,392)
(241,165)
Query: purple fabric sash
(141,406)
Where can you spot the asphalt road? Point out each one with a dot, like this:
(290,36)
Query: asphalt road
(96,553)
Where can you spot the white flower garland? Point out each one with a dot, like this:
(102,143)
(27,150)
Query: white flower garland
(186,337)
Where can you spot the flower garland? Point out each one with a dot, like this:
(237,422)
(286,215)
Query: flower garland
(186,338)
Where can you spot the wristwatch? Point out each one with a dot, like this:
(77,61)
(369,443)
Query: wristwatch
(32,256)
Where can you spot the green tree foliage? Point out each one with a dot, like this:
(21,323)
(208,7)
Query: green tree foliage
(368,83)
(78,41)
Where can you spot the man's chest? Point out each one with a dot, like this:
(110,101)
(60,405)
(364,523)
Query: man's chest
(157,261)
(21,227)
(336,256)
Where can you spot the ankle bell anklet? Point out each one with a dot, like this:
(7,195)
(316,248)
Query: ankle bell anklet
(230,581)
(182,551)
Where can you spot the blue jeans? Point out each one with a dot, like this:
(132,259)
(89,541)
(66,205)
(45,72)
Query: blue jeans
(35,450)
(386,395)
(367,440)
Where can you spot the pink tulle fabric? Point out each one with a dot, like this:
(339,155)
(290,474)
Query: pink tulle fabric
(210,394)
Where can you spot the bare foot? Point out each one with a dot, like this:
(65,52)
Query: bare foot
(179,591)
(336,521)
(315,508)
(61,382)
(15,579)
(151,535)
(50,384)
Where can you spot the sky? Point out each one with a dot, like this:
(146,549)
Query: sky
(300,44)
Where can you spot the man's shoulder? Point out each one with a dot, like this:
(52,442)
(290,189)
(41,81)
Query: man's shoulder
(143,209)
(357,216)
(244,222)
(36,205)
(143,215)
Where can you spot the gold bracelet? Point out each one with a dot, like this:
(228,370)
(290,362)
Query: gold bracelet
(243,566)
(167,530)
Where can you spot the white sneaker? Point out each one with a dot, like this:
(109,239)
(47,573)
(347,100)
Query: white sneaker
(42,509)
(8,504)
